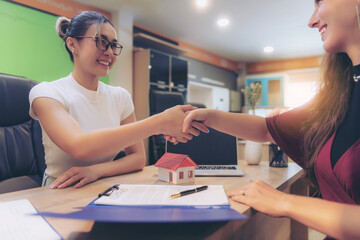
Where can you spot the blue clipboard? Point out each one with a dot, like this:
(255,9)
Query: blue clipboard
(150,214)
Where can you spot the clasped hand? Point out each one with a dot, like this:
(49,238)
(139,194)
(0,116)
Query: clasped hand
(190,123)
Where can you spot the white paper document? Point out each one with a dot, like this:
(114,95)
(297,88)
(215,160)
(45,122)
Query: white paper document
(17,222)
(159,195)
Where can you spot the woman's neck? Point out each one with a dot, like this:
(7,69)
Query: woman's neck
(354,54)
(85,79)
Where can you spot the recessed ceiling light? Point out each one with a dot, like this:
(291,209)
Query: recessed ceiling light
(268,49)
(201,3)
(222,22)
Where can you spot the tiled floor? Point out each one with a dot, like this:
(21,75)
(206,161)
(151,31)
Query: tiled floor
(315,235)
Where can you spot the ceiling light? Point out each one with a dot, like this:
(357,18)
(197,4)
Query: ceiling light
(201,3)
(222,22)
(268,49)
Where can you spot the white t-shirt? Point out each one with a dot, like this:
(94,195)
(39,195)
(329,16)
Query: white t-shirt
(103,108)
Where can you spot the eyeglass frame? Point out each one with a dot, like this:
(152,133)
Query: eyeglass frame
(112,44)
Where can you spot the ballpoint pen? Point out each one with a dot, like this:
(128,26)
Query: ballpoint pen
(183,193)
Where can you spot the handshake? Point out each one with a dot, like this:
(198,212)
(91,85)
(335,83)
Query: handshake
(182,122)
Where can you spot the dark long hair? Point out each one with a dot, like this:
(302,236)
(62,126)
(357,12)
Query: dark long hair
(78,25)
(328,109)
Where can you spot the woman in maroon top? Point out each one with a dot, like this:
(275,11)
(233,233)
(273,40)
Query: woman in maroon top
(321,136)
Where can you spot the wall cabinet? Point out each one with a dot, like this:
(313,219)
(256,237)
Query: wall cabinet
(167,72)
(156,71)
(272,93)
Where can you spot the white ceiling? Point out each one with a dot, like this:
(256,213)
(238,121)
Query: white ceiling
(254,24)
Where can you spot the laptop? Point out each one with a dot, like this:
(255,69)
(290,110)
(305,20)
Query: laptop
(215,153)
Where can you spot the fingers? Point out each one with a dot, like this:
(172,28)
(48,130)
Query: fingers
(67,179)
(82,182)
(171,139)
(174,141)
(187,122)
(167,138)
(237,192)
(240,199)
(194,132)
(239,195)
(240,191)
(200,126)
(184,137)
(187,108)
(187,136)
(60,180)
(70,181)
(196,120)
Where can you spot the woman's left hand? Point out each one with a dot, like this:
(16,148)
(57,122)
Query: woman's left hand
(262,197)
(79,176)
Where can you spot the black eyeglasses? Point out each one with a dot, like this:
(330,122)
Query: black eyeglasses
(103,44)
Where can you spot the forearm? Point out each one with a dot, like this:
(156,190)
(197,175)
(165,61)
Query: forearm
(129,163)
(244,126)
(340,221)
(109,141)
(64,130)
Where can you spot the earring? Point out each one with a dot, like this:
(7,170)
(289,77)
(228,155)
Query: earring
(357,13)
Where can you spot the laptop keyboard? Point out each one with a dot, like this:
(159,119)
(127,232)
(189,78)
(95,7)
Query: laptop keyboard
(218,170)
(217,167)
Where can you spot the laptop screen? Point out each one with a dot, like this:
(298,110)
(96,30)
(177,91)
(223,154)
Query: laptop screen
(213,148)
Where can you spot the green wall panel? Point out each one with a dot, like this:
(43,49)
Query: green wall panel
(29,45)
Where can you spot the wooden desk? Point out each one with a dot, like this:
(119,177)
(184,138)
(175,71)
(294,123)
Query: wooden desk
(258,225)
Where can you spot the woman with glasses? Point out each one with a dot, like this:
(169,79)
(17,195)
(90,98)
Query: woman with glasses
(86,123)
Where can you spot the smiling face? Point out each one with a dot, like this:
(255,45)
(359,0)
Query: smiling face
(337,23)
(88,58)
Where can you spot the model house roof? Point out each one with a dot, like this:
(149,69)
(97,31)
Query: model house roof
(174,161)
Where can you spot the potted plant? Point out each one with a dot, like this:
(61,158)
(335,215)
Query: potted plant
(253,150)
(252,95)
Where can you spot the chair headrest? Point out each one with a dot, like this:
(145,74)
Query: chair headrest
(161,100)
(14,99)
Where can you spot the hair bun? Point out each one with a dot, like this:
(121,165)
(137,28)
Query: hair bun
(62,25)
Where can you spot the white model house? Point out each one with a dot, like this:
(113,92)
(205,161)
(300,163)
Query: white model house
(176,168)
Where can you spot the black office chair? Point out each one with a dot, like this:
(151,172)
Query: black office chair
(160,101)
(21,151)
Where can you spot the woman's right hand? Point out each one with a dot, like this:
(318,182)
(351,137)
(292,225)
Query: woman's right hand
(195,125)
(171,122)
(197,119)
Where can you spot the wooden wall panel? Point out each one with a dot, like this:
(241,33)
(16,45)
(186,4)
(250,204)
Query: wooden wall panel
(282,65)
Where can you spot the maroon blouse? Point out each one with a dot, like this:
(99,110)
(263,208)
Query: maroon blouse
(340,184)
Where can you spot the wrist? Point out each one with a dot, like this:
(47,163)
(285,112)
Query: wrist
(286,205)
(155,124)
(211,118)
(97,171)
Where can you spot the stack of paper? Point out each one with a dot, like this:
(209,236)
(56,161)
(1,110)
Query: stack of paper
(18,222)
